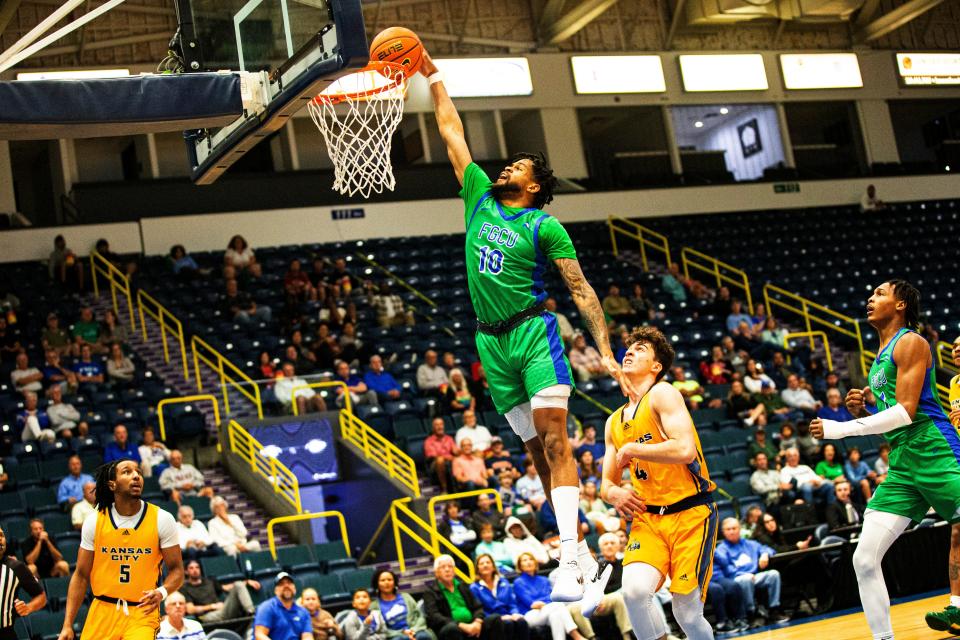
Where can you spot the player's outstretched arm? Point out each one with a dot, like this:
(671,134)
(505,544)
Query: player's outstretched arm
(448,120)
(680,447)
(76,592)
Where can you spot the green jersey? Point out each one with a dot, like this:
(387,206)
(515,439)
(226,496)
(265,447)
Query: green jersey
(507,250)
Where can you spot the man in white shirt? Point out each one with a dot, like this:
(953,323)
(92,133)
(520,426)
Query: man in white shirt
(195,540)
(432,379)
(307,399)
(796,397)
(63,416)
(183,479)
(174,626)
(530,487)
(228,531)
(25,377)
(478,434)
(870,202)
(766,482)
(808,484)
(84,507)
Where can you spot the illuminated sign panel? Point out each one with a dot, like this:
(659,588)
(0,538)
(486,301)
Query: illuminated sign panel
(618,74)
(735,72)
(486,77)
(821,71)
(929,69)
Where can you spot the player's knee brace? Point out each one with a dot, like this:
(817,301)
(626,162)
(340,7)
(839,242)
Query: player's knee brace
(520,419)
(553,397)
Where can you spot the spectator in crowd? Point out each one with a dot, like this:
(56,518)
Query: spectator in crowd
(834,409)
(55,374)
(64,266)
(746,340)
(788,438)
(154,455)
(736,316)
(389,307)
(774,406)
(618,307)
(759,317)
(86,331)
(280,618)
(494,549)
(174,626)
(804,480)
(486,512)
(439,450)
(5,481)
(183,265)
(621,351)
(40,554)
(85,507)
(325,627)
(585,360)
(34,423)
(533,599)
(202,594)
(360,623)
(746,561)
(726,599)
(111,330)
(690,389)
(266,366)
(602,516)
(195,540)
(860,475)
(495,594)
(240,306)
(751,520)
(381,382)
(766,483)
(760,444)
(302,349)
(448,361)
(882,463)
(643,308)
(744,406)
(351,347)
(307,399)
(798,398)
(70,489)
(547,523)
(228,531)
(121,448)
(360,394)
(508,495)
(89,372)
(498,460)
(400,611)
(452,611)
(468,468)
(809,445)
(736,357)
(590,442)
(432,379)
(341,280)
(530,487)
(842,512)
(779,371)
(9,342)
(457,529)
(24,377)
(832,381)
(303,365)
(771,535)
(183,479)
(102,247)
(240,258)
(670,283)
(458,397)
(296,284)
(519,540)
(587,466)
(612,603)
(55,337)
(870,203)
(716,370)
(479,386)
(773,334)
(120,368)
(563,323)
(831,467)
(479,435)
(755,377)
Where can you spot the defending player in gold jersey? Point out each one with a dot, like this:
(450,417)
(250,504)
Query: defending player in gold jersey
(674,528)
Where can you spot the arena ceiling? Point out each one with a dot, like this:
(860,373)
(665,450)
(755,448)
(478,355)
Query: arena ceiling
(138,31)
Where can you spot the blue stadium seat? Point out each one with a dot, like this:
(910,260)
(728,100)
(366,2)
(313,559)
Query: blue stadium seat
(224,568)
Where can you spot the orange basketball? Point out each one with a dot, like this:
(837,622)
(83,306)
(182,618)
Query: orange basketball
(399,45)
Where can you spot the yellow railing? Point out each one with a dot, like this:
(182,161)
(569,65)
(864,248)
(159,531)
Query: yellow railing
(381,451)
(167,401)
(398,508)
(945,357)
(721,272)
(431,505)
(168,324)
(307,516)
(646,237)
(320,385)
(118,281)
(284,482)
(811,335)
(228,372)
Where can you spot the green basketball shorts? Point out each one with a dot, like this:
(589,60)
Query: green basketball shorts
(923,474)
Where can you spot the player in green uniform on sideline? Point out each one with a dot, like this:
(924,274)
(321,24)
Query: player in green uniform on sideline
(509,243)
(925,447)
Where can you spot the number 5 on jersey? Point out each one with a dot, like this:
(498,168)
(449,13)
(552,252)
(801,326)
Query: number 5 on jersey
(491,260)
(124,573)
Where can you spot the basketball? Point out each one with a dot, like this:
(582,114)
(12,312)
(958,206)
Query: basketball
(400,45)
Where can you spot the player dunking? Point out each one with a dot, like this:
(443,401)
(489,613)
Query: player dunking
(925,447)
(674,528)
(509,242)
(121,548)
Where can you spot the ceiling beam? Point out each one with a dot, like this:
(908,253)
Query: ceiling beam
(7,10)
(127,8)
(678,10)
(512,45)
(551,11)
(894,19)
(101,44)
(574,20)
(867,11)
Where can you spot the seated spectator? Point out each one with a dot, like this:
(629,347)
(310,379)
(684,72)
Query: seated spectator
(202,594)
(307,399)
(40,554)
(86,331)
(751,520)
(84,508)
(458,397)
(834,409)
(602,516)
(70,489)
(360,394)
(55,374)
(341,281)
(326,349)
(400,611)
(882,464)
(859,474)
(508,495)
(547,524)
(495,595)
(228,531)
(389,307)
(111,330)
(621,351)
(779,371)
(494,549)
(34,423)
(774,406)
(842,512)
(303,365)
(64,266)
(766,483)
(745,406)
(613,603)
(183,479)
(325,626)
(716,370)
(499,460)
(759,317)
(102,247)
(587,466)
(486,512)
(831,467)
(240,258)
(89,372)
(809,445)
(870,203)
(618,307)
(24,377)
(804,480)
(530,487)
(381,382)
(240,306)
(183,265)
(452,611)
(439,450)
(154,455)
(360,623)
(519,540)
(195,540)
(787,438)
(585,360)
(736,357)
(563,323)
(736,316)
(671,285)
(798,398)
(296,283)
(726,599)
(121,448)
(746,561)
(590,442)
(432,379)
(468,468)
(746,340)
(755,377)
(120,368)
(56,338)
(643,308)
(280,618)
(760,444)
(691,390)
(773,334)
(832,381)
(479,435)
(266,366)
(770,534)
(174,626)
(533,600)
(457,529)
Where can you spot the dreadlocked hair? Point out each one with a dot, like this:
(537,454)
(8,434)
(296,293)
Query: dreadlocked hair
(542,175)
(905,292)
(104,474)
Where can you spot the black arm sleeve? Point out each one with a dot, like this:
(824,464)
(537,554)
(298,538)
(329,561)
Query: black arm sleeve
(27,582)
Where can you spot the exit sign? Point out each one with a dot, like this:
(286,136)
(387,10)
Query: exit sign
(786,187)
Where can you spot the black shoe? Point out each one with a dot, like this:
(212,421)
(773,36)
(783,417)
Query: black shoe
(776,616)
(740,625)
(724,627)
(756,622)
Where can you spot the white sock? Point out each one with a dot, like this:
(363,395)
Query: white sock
(588,564)
(955,601)
(566,506)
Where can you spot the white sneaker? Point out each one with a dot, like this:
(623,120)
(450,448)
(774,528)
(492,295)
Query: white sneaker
(593,591)
(569,584)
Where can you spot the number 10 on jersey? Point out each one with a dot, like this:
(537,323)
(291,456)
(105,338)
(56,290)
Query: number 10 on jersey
(491,260)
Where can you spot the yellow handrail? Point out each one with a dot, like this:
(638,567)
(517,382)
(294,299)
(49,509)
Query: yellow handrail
(166,401)
(319,385)
(436,540)
(220,365)
(431,505)
(721,272)
(167,322)
(945,357)
(117,280)
(381,451)
(307,516)
(644,235)
(812,334)
(270,469)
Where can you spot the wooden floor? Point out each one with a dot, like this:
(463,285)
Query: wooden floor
(908,624)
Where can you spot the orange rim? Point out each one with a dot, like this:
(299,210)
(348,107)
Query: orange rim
(391,71)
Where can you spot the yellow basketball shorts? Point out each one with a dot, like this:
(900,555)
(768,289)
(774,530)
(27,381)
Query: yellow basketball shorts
(106,621)
(678,545)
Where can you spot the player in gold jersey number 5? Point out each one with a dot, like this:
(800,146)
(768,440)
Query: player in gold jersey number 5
(122,548)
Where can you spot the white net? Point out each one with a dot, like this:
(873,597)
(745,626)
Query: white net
(357,116)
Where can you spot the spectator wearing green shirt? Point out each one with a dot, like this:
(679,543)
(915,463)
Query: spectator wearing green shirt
(831,467)
(86,330)
(56,338)
(777,409)
(453,613)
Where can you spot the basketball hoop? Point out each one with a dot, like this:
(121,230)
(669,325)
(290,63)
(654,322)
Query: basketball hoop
(357,116)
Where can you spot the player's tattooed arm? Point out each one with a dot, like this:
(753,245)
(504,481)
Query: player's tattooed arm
(587,302)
